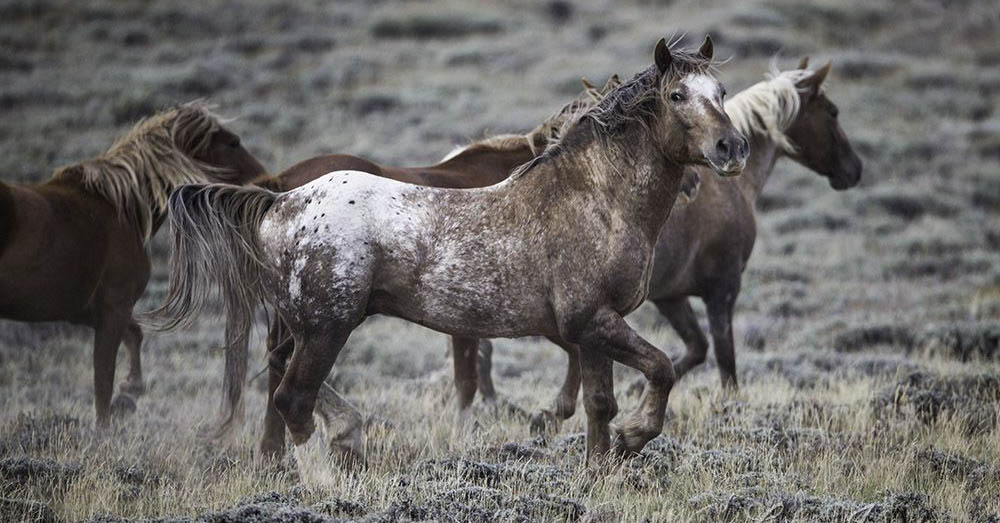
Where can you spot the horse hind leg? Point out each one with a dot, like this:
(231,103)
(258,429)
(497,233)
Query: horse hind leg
(279,348)
(681,317)
(296,397)
(564,404)
(133,384)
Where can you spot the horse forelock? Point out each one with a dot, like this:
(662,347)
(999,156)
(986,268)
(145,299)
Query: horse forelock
(769,107)
(142,167)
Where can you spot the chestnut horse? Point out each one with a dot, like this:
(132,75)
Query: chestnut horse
(74,248)
(704,247)
(562,248)
(482,163)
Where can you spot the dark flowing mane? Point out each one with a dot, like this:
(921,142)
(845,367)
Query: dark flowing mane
(137,174)
(633,101)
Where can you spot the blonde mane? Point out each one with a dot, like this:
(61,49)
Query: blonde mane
(769,107)
(140,170)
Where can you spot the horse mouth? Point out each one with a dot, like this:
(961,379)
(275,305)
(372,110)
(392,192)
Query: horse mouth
(727,170)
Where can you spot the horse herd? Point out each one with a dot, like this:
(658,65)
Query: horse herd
(560,233)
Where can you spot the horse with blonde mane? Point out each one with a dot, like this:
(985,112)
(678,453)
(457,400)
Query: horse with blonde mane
(562,248)
(74,248)
(705,245)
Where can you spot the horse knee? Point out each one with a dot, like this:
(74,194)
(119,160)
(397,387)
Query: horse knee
(661,372)
(600,405)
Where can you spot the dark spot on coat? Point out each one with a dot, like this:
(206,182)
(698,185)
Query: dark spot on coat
(350,202)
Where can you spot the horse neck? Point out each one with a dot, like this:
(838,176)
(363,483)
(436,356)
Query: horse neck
(628,174)
(763,155)
(491,164)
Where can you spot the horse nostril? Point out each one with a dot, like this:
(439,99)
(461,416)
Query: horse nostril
(722,148)
(744,147)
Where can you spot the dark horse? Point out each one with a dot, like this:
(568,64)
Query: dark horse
(74,248)
(479,164)
(562,248)
(705,245)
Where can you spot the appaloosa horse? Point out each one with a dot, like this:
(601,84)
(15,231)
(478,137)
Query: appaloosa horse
(74,248)
(705,245)
(479,164)
(562,248)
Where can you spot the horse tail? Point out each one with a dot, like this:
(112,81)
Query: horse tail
(214,238)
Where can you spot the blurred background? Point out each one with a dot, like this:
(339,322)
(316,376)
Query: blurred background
(850,291)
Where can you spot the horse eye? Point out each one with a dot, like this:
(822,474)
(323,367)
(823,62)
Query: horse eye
(723,92)
(235,143)
(677,97)
(834,111)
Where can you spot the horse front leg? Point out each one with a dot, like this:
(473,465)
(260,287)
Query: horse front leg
(606,336)
(133,343)
(465,353)
(108,332)
(485,371)
(720,320)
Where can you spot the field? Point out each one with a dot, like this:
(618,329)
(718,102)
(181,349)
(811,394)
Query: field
(868,329)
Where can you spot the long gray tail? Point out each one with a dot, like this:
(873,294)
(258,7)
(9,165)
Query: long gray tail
(214,238)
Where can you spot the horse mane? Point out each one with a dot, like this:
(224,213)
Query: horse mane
(553,128)
(769,107)
(634,101)
(142,167)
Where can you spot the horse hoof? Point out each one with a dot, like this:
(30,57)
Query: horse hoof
(621,447)
(122,405)
(544,422)
(349,457)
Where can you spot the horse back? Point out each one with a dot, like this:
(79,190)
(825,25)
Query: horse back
(308,170)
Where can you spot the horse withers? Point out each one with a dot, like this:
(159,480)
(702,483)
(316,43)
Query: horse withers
(74,248)
(562,248)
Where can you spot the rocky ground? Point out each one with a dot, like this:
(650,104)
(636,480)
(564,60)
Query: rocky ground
(867,330)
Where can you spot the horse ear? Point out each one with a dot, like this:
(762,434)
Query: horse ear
(815,80)
(662,56)
(586,83)
(804,62)
(707,48)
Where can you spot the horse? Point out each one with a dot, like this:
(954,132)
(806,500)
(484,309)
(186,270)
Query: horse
(705,245)
(74,248)
(561,248)
(482,163)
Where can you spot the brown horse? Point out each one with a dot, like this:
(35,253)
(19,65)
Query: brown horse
(704,247)
(480,164)
(74,248)
(562,248)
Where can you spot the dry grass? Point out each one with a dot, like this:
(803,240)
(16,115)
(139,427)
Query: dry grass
(867,330)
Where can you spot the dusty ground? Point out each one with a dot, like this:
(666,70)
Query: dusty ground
(868,326)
